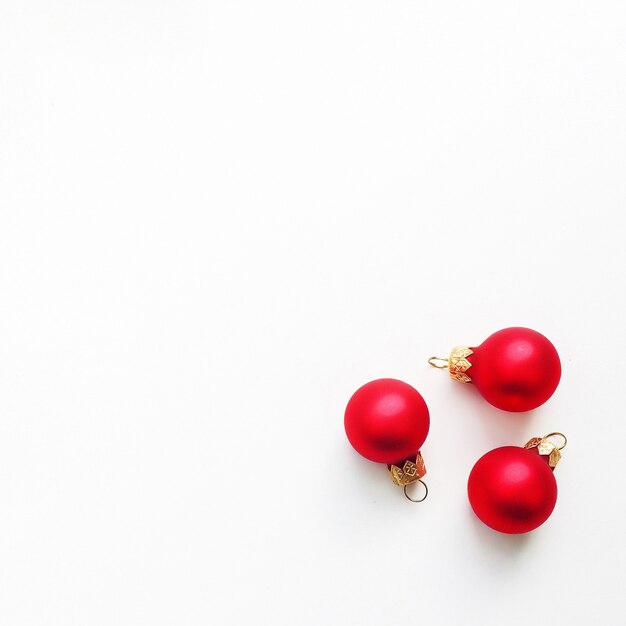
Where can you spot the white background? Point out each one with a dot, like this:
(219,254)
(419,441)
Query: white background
(218,219)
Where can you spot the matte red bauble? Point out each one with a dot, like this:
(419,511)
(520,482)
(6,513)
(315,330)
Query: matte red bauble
(512,489)
(387,421)
(515,369)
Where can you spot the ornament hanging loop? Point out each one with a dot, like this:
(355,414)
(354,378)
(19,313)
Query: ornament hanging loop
(408,497)
(557,434)
(439,362)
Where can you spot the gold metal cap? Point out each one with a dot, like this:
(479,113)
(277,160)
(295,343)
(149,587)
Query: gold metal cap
(410,473)
(457,363)
(545,447)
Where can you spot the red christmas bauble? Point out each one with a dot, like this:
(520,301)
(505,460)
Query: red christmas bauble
(387,420)
(512,490)
(515,369)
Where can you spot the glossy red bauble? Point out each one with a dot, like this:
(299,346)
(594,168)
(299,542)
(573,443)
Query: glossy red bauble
(512,490)
(387,420)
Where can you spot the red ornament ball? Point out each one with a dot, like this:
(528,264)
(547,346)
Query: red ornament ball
(512,490)
(387,420)
(515,369)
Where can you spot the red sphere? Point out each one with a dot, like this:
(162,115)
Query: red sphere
(387,420)
(512,490)
(516,369)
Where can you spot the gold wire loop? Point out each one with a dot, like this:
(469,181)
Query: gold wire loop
(408,497)
(557,434)
(439,362)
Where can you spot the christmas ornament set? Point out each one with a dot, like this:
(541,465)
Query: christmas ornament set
(511,489)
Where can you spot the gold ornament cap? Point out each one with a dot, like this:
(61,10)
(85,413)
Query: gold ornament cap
(412,471)
(548,448)
(456,364)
